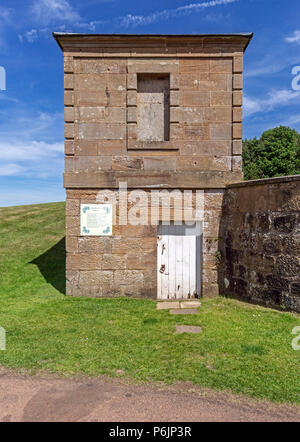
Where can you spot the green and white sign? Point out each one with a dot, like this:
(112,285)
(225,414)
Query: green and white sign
(96,219)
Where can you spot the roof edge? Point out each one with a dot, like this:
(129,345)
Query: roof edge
(58,36)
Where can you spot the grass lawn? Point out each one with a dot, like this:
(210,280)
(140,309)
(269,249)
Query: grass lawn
(242,348)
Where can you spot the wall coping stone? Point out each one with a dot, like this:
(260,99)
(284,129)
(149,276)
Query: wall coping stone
(262,181)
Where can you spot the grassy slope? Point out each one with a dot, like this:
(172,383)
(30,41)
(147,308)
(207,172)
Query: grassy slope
(243,348)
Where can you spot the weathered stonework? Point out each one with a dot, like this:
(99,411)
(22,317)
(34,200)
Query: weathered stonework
(201,150)
(260,229)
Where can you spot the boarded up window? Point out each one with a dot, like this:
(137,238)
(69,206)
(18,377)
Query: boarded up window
(153,107)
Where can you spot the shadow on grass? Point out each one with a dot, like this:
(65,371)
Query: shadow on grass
(52,265)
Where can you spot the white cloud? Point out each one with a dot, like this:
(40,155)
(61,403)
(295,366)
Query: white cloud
(30,151)
(5,13)
(11,169)
(292,120)
(295,38)
(47,11)
(58,13)
(136,20)
(31,143)
(31,159)
(274,99)
(30,36)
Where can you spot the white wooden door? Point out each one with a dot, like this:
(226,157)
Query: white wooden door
(176,267)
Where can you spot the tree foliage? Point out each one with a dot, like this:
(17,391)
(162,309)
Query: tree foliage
(275,153)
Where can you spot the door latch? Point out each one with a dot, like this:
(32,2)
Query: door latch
(162,268)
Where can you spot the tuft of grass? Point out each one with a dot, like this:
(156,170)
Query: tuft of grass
(242,348)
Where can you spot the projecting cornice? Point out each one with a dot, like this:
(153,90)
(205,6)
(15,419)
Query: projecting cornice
(140,44)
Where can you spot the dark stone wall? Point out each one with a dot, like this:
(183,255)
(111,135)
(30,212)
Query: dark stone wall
(260,242)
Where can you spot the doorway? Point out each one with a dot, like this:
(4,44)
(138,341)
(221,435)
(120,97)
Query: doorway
(179,256)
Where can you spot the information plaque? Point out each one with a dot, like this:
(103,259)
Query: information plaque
(96,219)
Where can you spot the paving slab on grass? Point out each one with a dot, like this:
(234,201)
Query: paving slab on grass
(166,305)
(190,304)
(187,329)
(184,311)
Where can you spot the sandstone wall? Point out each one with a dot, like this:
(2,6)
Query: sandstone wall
(125,264)
(260,242)
(101,127)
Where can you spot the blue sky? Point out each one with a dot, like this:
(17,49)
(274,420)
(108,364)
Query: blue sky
(31,107)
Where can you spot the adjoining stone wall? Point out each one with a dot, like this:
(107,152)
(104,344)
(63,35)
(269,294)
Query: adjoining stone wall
(260,242)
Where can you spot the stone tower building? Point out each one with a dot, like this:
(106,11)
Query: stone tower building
(148,113)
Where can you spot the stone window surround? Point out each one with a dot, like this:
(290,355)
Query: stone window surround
(131,105)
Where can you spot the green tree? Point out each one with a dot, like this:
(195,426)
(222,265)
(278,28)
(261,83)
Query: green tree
(275,153)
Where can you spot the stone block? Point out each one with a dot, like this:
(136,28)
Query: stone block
(203,163)
(94,245)
(285,223)
(194,131)
(190,304)
(238,81)
(187,329)
(131,98)
(165,163)
(68,65)
(221,98)
(71,244)
(92,163)
(194,65)
(69,114)
(131,115)
(99,66)
(111,147)
(237,115)
(237,147)
(104,131)
(237,162)
(154,66)
(86,147)
(195,98)
(237,98)
(238,64)
(131,81)
(166,305)
(191,115)
(220,131)
(223,114)
(97,114)
(83,262)
(175,115)
(128,277)
(220,82)
(174,98)
(72,207)
(99,98)
(69,130)
(127,163)
(237,130)
(69,98)
(113,262)
(221,65)
(216,147)
(72,225)
(174,81)
(69,147)
(69,81)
